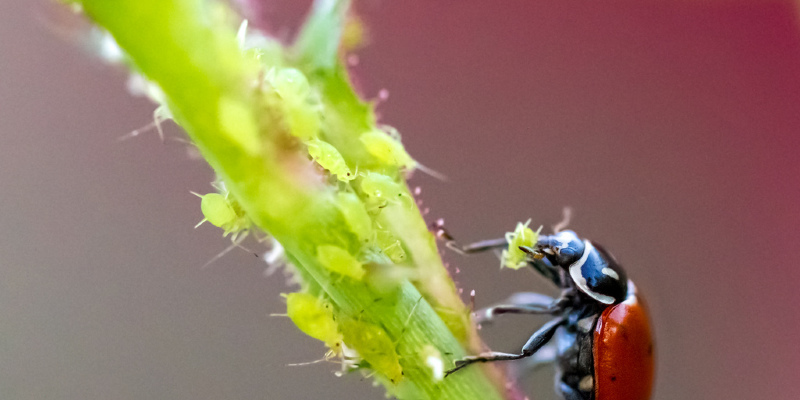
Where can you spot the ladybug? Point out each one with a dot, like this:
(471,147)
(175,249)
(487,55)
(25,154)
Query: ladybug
(603,343)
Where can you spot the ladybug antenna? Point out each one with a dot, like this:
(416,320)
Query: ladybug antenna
(565,218)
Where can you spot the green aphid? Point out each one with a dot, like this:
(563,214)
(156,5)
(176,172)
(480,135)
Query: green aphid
(314,316)
(338,260)
(382,190)
(387,149)
(374,345)
(223,212)
(513,257)
(355,215)
(329,158)
(291,84)
(303,120)
(390,246)
(294,89)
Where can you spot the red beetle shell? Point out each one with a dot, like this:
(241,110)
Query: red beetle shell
(623,351)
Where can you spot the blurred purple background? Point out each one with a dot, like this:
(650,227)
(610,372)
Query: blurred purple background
(669,127)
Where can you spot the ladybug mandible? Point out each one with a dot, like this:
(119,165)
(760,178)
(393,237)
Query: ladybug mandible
(604,347)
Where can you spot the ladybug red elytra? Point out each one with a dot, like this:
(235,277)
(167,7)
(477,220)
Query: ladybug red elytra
(603,342)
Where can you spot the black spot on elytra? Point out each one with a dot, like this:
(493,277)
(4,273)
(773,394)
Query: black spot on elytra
(613,378)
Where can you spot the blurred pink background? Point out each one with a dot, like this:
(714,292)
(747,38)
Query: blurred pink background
(669,127)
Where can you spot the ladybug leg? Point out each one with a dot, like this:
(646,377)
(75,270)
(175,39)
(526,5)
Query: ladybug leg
(545,269)
(526,303)
(530,298)
(484,245)
(521,303)
(477,247)
(547,354)
(537,340)
(568,392)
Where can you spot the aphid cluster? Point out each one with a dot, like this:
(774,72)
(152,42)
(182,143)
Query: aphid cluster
(360,343)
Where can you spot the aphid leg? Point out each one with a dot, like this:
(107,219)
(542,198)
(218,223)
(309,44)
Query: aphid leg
(181,141)
(408,320)
(238,237)
(566,217)
(348,358)
(158,118)
(432,172)
(327,357)
(136,132)
(203,220)
(220,186)
(536,341)
(303,364)
(236,243)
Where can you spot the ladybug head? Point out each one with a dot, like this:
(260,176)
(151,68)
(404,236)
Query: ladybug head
(591,268)
(562,248)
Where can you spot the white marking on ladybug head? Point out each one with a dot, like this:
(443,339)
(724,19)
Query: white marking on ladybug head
(610,272)
(564,238)
(580,281)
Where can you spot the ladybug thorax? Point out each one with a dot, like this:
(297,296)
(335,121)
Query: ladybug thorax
(597,275)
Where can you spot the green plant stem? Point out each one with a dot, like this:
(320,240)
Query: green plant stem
(210,89)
